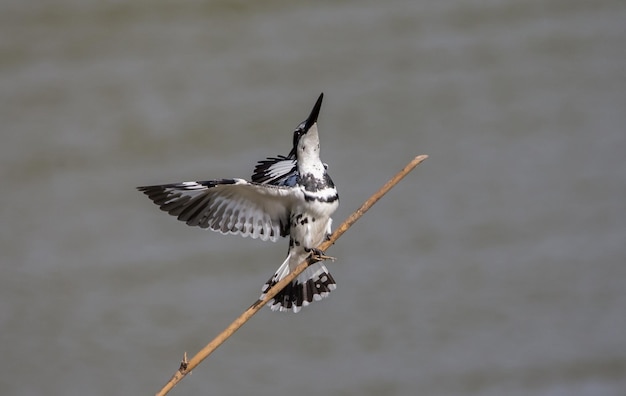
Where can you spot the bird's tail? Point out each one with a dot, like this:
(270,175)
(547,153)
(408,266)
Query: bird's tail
(313,284)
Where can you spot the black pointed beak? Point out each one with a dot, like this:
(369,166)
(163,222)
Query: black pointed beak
(314,113)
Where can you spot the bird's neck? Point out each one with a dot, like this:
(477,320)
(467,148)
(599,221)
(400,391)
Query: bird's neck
(310,164)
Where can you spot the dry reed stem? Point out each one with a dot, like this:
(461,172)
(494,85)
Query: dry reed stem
(187,365)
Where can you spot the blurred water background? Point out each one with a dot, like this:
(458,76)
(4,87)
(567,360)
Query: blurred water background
(498,267)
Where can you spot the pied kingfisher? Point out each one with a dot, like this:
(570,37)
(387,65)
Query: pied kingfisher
(288,195)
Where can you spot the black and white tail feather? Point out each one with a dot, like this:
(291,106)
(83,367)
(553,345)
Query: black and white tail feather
(289,195)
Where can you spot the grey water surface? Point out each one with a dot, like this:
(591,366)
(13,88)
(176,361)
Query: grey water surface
(498,267)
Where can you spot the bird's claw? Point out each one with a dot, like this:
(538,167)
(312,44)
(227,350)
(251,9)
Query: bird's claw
(319,255)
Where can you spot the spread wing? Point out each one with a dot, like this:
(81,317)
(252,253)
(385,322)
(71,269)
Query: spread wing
(278,171)
(230,206)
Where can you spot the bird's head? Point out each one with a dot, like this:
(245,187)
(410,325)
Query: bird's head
(306,140)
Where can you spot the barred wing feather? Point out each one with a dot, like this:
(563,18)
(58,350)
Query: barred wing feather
(278,171)
(229,206)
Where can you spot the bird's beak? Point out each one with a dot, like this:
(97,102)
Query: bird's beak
(314,113)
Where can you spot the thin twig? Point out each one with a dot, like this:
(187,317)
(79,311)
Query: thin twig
(186,366)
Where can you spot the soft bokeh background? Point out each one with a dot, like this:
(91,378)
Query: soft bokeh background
(498,267)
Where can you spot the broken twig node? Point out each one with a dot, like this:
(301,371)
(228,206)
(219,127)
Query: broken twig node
(184,363)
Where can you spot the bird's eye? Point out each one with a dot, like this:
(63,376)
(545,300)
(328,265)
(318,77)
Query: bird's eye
(296,136)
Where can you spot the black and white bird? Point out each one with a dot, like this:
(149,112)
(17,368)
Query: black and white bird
(289,195)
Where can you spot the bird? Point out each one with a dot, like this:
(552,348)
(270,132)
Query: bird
(287,196)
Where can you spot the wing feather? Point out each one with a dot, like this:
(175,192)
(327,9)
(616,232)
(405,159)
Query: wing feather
(278,171)
(229,206)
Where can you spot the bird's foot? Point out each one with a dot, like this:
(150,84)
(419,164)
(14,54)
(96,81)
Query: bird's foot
(318,255)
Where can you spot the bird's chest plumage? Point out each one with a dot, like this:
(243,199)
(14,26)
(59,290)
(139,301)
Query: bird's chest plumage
(310,217)
(310,222)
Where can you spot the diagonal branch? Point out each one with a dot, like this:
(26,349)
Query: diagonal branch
(187,365)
